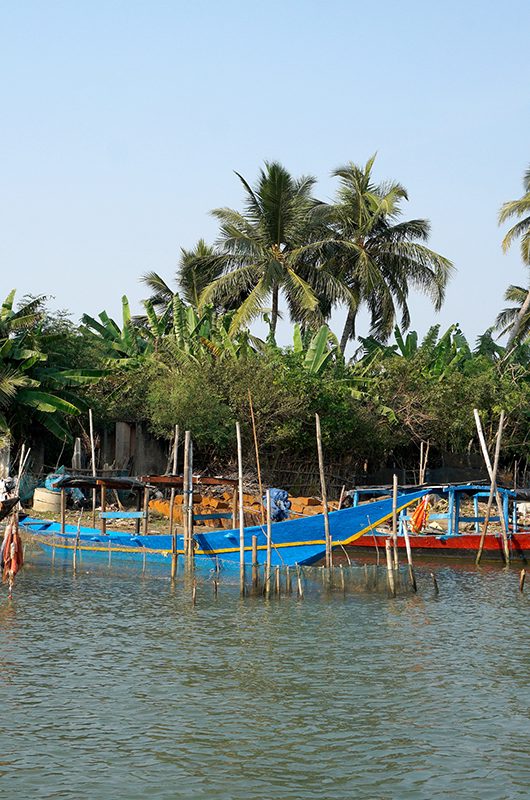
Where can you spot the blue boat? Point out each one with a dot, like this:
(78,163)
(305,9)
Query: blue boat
(294,542)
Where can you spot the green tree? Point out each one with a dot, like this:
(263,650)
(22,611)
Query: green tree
(265,252)
(378,256)
(518,208)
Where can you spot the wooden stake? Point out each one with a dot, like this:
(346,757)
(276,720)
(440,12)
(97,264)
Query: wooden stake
(173,532)
(63,511)
(185,490)
(258,466)
(241,511)
(194,591)
(278,581)
(299,582)
(255,561)
(103,509)
(93,455)
(76,543)
(146,512)
(522,578)
(390,568)
(395,520)
(412,577)
(269,545)
(493,483)
(435,583)
(487,461)
(323,490)
(288,586)
(341,498)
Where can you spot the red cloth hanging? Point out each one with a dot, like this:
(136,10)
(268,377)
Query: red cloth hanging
(12,557)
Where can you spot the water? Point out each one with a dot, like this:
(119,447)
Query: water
(115,686)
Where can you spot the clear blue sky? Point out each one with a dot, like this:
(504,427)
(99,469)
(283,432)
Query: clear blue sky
(122,123)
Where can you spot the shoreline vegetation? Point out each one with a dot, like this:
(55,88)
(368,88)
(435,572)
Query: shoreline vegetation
(191,357)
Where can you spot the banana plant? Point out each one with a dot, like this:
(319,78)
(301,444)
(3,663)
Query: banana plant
(318,349)
(32,384)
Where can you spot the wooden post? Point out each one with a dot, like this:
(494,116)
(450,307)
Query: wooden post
(323,491)
(435,583)
(493,483)
(255,561)
(63,511)
(234,509)
(341,498)
(191,549)
(390,568)
(420,474)
(185,490)
(258,466)
(522,578)
(76,543)
(93,456)
(137,523)
(146,511)
(409,559)
(103,509)
(241,511)
(172,531)
(299,582)
(269,545)
(487,461)
(288,585)
(395,520)
(278,581)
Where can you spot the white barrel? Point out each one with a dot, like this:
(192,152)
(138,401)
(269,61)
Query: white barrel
(46,501)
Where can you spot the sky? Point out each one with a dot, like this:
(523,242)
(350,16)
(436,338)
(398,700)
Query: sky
(122,124)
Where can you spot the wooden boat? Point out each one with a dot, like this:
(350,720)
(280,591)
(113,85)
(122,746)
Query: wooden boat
(294,542)
(454,541)
(7,505)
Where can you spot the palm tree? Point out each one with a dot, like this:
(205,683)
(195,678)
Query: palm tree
(197,268)
(378,256)
(518,208)
(265,252)
(509,317)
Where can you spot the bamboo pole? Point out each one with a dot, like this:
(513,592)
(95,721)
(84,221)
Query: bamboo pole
(390,568)
(435,583)
(522,578)
(172,531)
(185,493)
(420,476)
(278,581)
(487,461)
(299,582)
(103,509)
(323,490)
(93,456)
(76,542)
(395,520)
(63,511)
(146,512)
(255,562)
(258,466)
(493,483)
(412,576)
(269,545)
(241,511)
(191,549)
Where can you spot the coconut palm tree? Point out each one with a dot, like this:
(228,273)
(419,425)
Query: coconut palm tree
(378,256)
(265,254)
(509,317)
(518,208)
(197,268)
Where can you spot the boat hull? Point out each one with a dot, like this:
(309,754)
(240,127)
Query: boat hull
(294,542)
(464,545)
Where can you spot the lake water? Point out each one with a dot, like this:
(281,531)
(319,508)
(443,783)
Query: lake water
(114,686)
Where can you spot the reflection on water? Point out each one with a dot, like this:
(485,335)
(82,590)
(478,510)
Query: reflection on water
(115,686)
